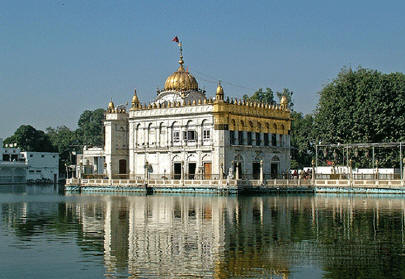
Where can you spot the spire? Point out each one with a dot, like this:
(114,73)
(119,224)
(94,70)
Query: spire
(135,100)
(181,61)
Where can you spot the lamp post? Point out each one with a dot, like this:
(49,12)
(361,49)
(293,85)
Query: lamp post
(403,165)
(376,169)
(313,172)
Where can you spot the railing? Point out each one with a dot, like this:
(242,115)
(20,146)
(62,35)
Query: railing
(379,176)
(197,176)
(95,176)
(178,176)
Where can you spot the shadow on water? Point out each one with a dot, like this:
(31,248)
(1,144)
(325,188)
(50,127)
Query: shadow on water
(177,236)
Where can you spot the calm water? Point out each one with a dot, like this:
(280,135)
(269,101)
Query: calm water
(46,234)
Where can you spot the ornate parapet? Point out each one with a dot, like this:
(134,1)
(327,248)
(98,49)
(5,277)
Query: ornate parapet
(253,117)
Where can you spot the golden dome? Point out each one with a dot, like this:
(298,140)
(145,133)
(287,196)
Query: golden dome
(181,80)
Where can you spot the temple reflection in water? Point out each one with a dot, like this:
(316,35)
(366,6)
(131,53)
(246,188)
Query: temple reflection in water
(221,237)
(169,236)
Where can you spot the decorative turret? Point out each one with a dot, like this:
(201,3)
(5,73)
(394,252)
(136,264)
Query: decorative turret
(135,101)
(220,93)
(111,106)
(284,102)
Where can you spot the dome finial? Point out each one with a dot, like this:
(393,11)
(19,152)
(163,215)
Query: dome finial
(181,61)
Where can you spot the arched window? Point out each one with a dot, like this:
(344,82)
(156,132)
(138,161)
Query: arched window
(161,134)
(138,137)
(151,135)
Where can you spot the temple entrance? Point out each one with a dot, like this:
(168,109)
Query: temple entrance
(122,166)
(191,170)
(274,170)
(177,170)
(256,170)
(207,170)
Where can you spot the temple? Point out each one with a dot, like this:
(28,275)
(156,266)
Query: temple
(184,134)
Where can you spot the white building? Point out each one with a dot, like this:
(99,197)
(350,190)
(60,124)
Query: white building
(22,167)
(185,134)
(42,166)
(91,162)
(12,166)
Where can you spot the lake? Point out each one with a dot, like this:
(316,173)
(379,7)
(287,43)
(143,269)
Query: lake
(45,233)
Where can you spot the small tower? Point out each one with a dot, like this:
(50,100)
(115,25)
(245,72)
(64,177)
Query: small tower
(284,103)
(135,101)
(111,107)
(219,97)
(116,141)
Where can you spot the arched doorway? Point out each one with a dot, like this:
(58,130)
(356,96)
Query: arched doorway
(275,162)
(238,163)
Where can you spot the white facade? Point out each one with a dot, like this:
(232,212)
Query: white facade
(182,141)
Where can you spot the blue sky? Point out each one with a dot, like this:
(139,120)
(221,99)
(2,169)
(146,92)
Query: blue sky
(58,58)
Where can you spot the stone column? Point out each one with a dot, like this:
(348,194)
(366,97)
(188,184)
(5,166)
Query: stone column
(261,172)
(182,171)
(80,170)
(221,171)
(237,170)
(145,175)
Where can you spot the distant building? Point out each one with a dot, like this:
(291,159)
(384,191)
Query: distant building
(22,167)
(42,166)
(13,168)
(184,133)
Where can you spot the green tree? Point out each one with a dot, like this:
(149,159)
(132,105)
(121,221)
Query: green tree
(302,142)
(65,141)
(30,139)
(362,106)
(90,131)
(266,97)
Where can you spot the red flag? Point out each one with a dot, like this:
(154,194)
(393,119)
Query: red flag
(175,39)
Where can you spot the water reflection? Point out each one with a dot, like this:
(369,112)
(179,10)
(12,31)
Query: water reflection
(222,237)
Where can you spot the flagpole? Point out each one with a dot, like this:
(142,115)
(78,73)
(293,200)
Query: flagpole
(181,51)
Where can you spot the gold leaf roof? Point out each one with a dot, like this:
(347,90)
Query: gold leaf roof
(181,81)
